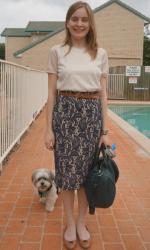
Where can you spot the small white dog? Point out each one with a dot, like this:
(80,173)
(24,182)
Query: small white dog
(43,180)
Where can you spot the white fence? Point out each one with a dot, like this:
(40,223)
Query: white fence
(23,93)
(115,88)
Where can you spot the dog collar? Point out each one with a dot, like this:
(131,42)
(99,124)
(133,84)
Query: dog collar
(44,194)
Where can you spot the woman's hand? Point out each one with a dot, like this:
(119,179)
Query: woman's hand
(104,139)
(49,139)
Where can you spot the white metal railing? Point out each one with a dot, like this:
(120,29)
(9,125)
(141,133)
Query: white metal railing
(115,88)
(23,93)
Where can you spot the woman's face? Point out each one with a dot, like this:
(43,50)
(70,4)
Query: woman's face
(78,24)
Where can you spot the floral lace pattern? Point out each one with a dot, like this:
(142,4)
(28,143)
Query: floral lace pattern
(77,126)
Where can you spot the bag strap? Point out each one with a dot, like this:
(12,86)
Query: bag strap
(97,153)
(102,149)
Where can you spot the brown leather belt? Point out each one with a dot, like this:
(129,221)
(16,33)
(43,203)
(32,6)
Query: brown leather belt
(80,95)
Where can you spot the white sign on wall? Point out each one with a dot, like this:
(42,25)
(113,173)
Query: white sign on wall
(133,70)
(133,79)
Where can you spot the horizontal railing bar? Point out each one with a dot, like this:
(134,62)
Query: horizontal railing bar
(20,66)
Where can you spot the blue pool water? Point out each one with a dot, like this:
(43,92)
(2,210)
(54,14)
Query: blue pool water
(137,116)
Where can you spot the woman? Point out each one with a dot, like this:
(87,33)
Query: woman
(77,101)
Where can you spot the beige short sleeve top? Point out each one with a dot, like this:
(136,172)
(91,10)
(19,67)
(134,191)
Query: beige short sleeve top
(77,71)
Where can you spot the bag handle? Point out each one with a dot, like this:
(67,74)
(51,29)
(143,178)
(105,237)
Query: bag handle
(99,149)
(102,149)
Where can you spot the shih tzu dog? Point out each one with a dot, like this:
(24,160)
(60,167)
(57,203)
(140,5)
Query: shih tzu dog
(43,180)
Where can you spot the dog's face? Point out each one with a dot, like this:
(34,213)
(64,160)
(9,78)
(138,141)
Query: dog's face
(42,179)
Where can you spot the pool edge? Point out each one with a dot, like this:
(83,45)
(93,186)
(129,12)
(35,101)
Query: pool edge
(137,136)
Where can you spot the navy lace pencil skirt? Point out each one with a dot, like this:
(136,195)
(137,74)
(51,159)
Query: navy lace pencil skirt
(77,126)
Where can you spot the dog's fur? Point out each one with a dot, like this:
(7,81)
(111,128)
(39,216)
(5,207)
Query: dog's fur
(43,180)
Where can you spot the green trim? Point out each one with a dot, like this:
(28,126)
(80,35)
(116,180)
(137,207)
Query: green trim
(39,31)
(33,27)
(29,35)
(44,26)
(15,32)
(95,10)
(31,45)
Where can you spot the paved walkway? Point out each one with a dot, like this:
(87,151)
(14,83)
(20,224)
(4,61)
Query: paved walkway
(25,225)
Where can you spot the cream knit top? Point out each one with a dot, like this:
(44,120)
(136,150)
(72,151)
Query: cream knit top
(77,71)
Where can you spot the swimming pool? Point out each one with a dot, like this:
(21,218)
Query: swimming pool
(136,115)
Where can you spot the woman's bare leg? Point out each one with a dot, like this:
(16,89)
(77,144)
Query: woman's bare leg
(68,201)
(81,220)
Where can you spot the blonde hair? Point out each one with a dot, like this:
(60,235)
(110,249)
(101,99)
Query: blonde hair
(91,37)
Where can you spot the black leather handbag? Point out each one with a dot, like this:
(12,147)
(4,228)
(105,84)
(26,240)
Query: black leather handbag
(100,185)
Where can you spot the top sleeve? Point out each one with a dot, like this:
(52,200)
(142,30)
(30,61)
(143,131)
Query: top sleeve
(52,61)
(105,66)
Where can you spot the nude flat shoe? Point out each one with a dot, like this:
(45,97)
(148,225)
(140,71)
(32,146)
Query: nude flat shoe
(85,244)
(69,244)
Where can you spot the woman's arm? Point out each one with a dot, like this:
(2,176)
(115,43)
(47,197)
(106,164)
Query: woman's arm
(52,78)
(103,97)
(49,135)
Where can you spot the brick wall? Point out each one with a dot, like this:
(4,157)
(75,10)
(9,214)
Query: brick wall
(13,44)
(121,33)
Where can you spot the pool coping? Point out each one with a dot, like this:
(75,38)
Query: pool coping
(137,136)
(120,102)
